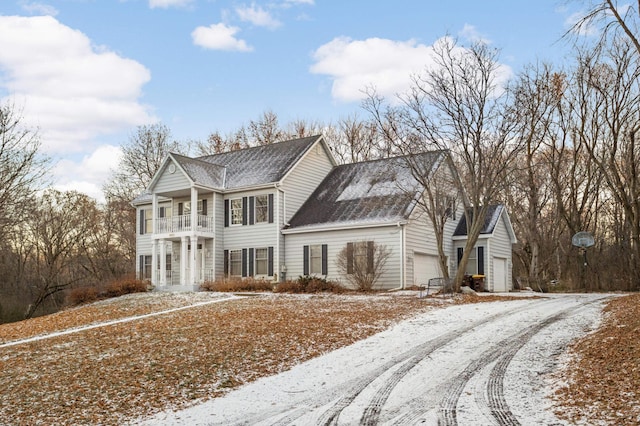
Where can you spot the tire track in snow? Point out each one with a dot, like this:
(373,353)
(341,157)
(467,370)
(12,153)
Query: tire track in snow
(504,352)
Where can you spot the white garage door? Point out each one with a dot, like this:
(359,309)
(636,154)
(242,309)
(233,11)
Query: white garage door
(500,274)
(424,267)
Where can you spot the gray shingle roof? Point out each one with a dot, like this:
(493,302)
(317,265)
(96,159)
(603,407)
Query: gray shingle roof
(202,172)
(378,191)
(262,164)
(490,221)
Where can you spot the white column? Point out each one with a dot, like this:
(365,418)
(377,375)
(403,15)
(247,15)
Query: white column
(163,263)
(184,242)
(194,210)
(154,262)
(154,212)
(193,263)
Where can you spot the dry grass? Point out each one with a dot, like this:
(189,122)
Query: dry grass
(111,374)
(603,379)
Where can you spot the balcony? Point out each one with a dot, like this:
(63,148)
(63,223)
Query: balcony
(175,224)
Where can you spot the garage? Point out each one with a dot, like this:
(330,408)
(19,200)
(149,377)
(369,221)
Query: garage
(425,266)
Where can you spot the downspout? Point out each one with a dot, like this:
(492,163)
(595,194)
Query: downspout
(276,267)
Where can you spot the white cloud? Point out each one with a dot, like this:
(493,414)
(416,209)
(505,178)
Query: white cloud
(69,89)
(470,33)
(257,16)
(386,65)
(165,4)
(36,8)
(219,37)
(89,173)
(355,64)
(295,2)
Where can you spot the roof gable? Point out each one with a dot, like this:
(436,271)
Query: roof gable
(491,220)
(368,192)
(262,164)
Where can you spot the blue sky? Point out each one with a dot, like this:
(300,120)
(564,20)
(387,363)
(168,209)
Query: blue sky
(87,72)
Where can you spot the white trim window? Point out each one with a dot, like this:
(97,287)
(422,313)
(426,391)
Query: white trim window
(315,259)
(262,208)
(235,263)
(262,261)
(236,211)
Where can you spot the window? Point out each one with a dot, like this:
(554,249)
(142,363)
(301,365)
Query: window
(147,221)
(146,267)
(360,257)
(186,207)
(236,211)
(164,212)
(235,263)
(262,261)
(262,208)
(472,263)
(315,259)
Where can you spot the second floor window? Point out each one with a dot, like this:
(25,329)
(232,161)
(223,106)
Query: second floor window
(148,221)
(262,208)
(236,211)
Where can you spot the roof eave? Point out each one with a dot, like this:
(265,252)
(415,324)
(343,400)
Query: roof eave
(341,227)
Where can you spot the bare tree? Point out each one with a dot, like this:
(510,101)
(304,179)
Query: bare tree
(22,168)
(60,225)
(142,156)
(265,130)
(362,263)
(459,106)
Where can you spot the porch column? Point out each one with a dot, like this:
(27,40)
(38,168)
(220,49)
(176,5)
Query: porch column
(184,245)
(194,210)
(193,261)
(154,262)
(163,263)
(154,212)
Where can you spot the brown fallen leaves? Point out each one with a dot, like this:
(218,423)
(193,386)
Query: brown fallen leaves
(116,373)
(603,380)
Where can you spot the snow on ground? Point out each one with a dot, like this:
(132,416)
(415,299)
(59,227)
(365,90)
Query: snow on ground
(482,364)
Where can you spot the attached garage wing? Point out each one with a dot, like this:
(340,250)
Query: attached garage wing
(425,267)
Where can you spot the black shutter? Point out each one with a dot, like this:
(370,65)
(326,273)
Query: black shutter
(141,222)
(141,274)
(460,252)
(325,263)
(161,212)
(480,260)
(226,213)
(244,210)
(204,207)
(270,208)
(349,258)
(250,262)
(180,209)
(244,262)
(270,262)
(226,263)
(305,260)
(370,253)
(252,201)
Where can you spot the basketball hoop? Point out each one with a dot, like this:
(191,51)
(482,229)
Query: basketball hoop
(583,239)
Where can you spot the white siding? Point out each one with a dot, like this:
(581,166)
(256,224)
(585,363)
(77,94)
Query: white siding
(218,247)
(389,236)
(304,178)
(500,246)
(171,181)
(421,239)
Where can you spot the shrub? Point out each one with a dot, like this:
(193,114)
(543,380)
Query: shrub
(126,286)
(80,295)
(238,284)
(309,284)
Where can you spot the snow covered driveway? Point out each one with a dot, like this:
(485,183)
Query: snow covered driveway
(480,364)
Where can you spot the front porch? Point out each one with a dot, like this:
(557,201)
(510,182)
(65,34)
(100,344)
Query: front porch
(181,267)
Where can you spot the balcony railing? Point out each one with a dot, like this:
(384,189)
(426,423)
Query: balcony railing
(168,225)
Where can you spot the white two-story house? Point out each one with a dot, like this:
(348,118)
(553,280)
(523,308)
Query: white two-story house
(287,209)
